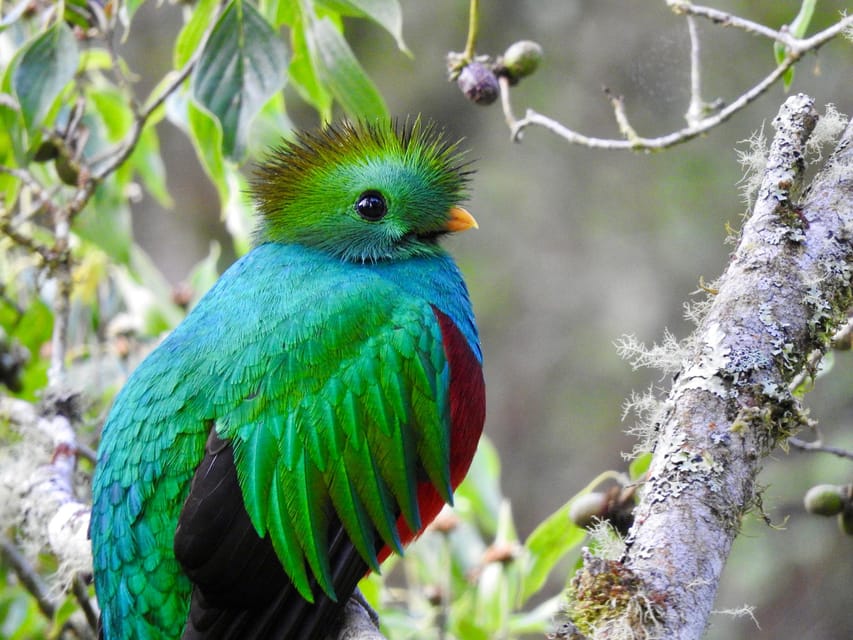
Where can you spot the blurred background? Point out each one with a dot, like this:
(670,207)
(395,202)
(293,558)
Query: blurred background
(579,247)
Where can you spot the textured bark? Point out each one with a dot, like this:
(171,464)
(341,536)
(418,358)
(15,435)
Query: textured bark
(785,291)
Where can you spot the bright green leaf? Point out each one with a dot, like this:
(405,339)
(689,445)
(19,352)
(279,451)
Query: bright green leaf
(480,492)
(546,546)
(798,29)
(303,75)
(241,66)
(35,326)
(9,126)
(340,72)
(206,136)
(46,66)
(800,24)
(114,110)
(95,59)
(189,39)
(639,465)
(385,13)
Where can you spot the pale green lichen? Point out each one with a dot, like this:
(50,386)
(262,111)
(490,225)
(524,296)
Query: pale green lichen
(607,599)
(753,160)
(826,132)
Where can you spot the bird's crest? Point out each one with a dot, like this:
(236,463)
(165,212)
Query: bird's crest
(299,177)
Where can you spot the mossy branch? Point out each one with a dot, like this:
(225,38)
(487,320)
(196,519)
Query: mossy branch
(784,294)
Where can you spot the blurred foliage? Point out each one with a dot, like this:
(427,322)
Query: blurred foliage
(69,108)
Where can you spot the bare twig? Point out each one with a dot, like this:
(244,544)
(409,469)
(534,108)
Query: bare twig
(696,108)
(81,594)
(818,446)
(29,577)
(698,122)
(726,19)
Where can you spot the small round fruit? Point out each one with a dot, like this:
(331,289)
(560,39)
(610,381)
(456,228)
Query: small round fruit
(521,59)
(479,83)
(824,500)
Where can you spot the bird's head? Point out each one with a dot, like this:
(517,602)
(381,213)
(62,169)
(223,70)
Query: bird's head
(367,192)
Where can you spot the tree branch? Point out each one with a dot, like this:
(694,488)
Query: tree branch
(786,290)
(698,123)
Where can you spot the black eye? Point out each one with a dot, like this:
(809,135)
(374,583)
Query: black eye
(371,206)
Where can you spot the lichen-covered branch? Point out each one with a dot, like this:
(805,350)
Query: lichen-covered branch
(785,292)
(37,479)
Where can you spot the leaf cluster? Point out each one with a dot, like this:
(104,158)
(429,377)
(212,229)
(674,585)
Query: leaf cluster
(80,144)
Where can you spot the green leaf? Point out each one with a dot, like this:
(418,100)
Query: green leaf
(189,39)
(340,72)
(35,326)
(114,110)
(639,465)
(385,13)
(9,132)
(546,546)
(46,66)
(206,136)
(95,59)
(303,74)
(798,29)
(241,66)
(480,493)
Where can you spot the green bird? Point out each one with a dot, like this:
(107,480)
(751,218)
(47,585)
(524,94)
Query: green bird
(313,412)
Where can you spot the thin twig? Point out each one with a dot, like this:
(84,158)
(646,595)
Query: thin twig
(81,594)
(115,159)
(473,30)
(40,192)
(796,48)
(696,109)
(25,241)
(725,19)
(28,576)
(818,446)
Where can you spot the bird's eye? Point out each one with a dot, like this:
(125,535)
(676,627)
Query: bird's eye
(371,206)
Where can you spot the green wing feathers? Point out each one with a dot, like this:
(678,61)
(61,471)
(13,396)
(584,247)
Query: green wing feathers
(341,426)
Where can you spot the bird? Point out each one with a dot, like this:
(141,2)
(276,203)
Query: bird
(312,413)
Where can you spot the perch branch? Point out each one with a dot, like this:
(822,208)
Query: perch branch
(784,293)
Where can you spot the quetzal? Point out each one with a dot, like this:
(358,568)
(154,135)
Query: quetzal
(312,413)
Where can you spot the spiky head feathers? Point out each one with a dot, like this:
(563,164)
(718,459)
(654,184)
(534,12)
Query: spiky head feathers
(362,192)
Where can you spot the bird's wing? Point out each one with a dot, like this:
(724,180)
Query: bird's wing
(349,410)
(330,419)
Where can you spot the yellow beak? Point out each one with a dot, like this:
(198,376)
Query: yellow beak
(460,220)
